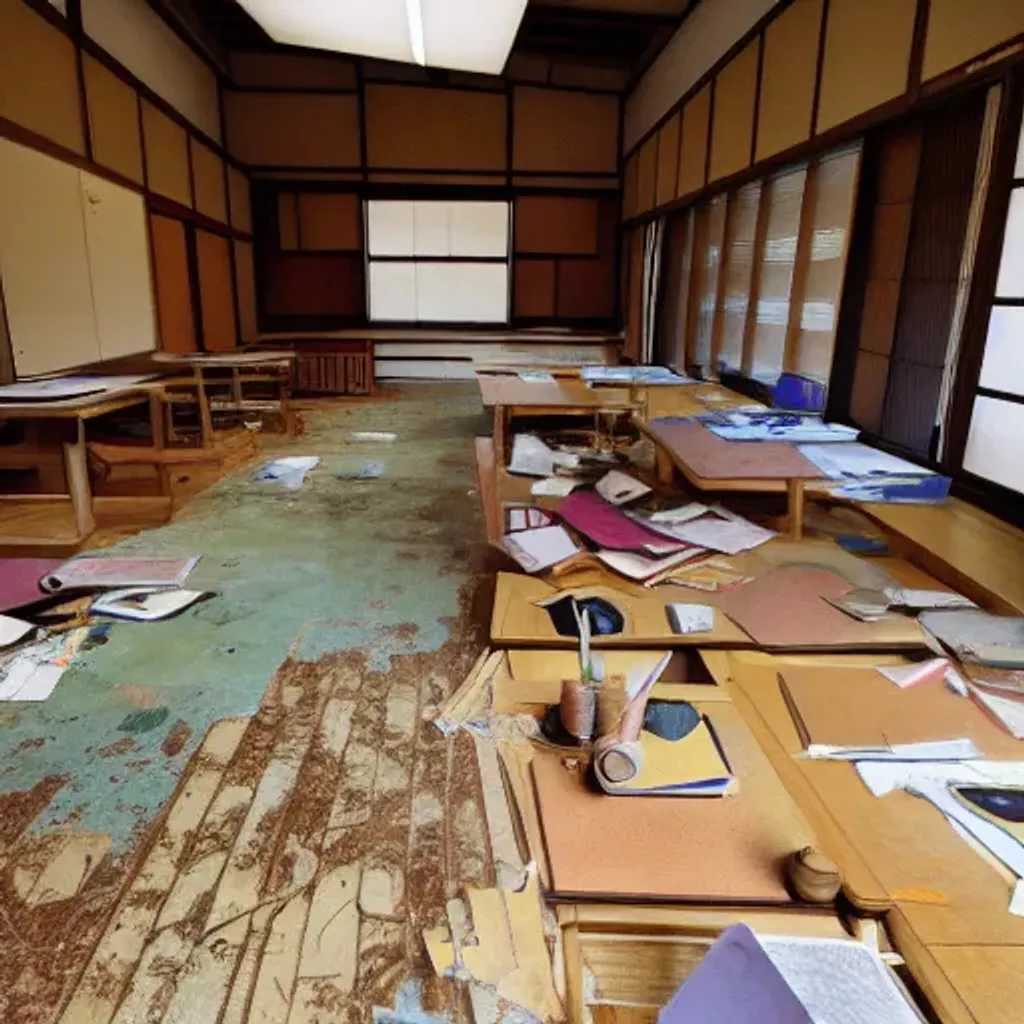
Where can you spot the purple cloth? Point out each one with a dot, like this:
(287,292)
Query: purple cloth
(608,526)
(19,580)
(735,983)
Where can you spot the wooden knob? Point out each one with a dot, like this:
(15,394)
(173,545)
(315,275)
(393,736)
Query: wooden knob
(814,878)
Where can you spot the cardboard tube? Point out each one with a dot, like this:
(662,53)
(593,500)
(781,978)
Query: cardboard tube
(611,703)
(578,708)
(619,762)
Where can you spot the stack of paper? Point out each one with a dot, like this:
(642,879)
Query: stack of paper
(647,375)
(637,567)
(690,618)
(716,528)
(1007,711)
(526,518)
(770,425)
(536,550)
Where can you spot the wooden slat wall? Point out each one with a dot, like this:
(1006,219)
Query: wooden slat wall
(826,68)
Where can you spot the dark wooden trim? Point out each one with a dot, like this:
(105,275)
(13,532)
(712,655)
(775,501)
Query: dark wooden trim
(191,172)
(987,66)
(576,257)
(7,371)
(757,101)
(1009,302)
(74,24)
(420,259)
(917,48)
(179,29)
(226,176)
(819,67)
(710,132)
(510,132)
(709,76)
(986,268)
(299,90)
(1002,396)
(49,13)
(192,260)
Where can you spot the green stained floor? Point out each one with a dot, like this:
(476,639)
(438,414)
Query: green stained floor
(370,565)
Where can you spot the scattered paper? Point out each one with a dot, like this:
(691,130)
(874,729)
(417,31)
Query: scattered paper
(527,519)
(96,572)
(932,750)
(374,435)
(905,676)
(540,549)
(637,567)
(531,456)
(730,536)
(12,630)
(368,469)
(536,377)
(33,672)
(682,514)
(904,597)
(555,486)
(856,461)
(620,488)
(690,618)
(290,471)
(707,577)
(770,425)
(56,388)
(862,604)
(1009,713)
(633,375)
(145,604)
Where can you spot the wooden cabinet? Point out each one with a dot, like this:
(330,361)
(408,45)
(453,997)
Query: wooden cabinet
(74,264)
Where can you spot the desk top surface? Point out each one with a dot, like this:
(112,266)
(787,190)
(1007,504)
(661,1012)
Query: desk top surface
(228,359)
(83,406)
(565,392)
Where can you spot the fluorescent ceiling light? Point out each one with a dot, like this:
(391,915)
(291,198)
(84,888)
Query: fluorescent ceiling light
(463,35)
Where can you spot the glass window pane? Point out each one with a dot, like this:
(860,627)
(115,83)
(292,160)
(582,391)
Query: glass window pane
(739,267)
(994,450)
(1003,366)
(710,257)
(1010,284)
(831,215)
(775,273)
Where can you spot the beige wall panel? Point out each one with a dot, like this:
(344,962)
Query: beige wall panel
(961,29)
(38,76)
(173,291)
(152,51)
(113,121)
(556,224)
(167,164)
(693,143)
(291,71)
(241,203)
(434,129)
(668,160)
(647,175)
(554,130)
(534,288)
(122,285)
(709,31)
(216,291)
(330,221)
(208,178)
(732,132)
(42,243)
(293,130)
(867,57)
(288,220)
(787,78)
(245,280)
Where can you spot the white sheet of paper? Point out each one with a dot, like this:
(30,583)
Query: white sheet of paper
(540,549)
(929,751)
(853,460)
(910,675)
(905,597)
(683,514)
(690,618)
(618,488)
(531,456)
(1009,712)
(536,377)
(839,981)
(555,486)
(54,388)
(636,567)
(12,630)
(882,778)
(730,536)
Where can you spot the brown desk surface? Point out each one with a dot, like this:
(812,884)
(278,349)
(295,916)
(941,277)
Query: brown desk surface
(225,359)
(510,391)
(894,851)
(84,407)
(692,400)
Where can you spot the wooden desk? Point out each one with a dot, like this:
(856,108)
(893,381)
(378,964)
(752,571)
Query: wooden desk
(897,853)
(510,396)
(67,418)
(241,368)
(691,400)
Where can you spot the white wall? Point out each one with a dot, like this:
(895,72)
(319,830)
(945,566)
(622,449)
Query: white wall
(137,36)
(702,40)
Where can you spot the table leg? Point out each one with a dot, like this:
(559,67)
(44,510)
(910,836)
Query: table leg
(796,509)
(205,419)
(77,469)
(573,954)
(500,427)
(157,423)
(665,469)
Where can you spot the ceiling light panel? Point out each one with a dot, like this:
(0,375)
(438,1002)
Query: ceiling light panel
(370,28)
(462,35)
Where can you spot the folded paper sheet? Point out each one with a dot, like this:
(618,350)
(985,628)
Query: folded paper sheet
(536,550)
(609,526)
(100,572)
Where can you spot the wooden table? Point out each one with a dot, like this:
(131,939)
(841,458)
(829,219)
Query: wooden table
(511,396)
(946,905)
(67,418)
(273,366)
